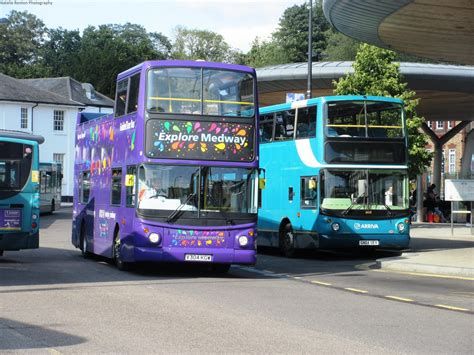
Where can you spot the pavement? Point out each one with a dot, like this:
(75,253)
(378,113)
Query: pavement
(433,250)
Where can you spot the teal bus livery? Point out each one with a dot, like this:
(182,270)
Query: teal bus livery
(19,190)
(336,174)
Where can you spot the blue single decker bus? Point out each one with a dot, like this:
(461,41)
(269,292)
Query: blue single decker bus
(19,190)
(336,172)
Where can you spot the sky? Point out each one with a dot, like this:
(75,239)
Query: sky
(239,21)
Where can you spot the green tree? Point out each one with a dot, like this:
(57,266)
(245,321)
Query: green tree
(196,44)
(292,32)
(340,47)
(263,53)
(60,51)
(21,38)
(110,49)
(375,73)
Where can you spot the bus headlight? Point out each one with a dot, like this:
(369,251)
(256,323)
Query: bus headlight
(401,227)
(155,238)
(335,226)
(243,240)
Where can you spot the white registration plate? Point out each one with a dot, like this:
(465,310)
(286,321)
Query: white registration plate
(197,257)
(369,242)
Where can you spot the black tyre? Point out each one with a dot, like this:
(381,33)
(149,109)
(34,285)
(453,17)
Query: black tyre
(117,247)
(52,207)
(83,242)
(287,242)
(220,269)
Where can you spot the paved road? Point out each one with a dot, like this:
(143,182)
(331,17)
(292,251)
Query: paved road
(52,300)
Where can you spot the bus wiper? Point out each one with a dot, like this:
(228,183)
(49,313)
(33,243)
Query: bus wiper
(223,214)
(353,203)
(173,214)
(389,210)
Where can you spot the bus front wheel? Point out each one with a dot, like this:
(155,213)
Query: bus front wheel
(119,263)
(287,241)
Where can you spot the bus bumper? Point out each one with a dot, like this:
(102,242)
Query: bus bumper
(17,241)
(364,241)
(221,256)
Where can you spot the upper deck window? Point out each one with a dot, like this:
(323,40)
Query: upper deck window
(199,91)
(368,119)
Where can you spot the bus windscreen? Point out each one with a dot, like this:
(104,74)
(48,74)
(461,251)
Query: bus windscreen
(15,165)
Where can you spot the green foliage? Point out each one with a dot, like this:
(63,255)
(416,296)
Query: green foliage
(263,53)
(28,50)
(109,49)
(292,33)
(196,44)
(21,38)
(340,47)
(375,73)
(59,52)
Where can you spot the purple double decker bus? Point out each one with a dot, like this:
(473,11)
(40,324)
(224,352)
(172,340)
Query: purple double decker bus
(172,175)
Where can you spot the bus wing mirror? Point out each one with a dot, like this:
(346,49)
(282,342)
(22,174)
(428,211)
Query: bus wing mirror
(129,180)
(262,181)
(35,176)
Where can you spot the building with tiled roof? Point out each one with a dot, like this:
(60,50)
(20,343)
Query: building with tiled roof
(49,107)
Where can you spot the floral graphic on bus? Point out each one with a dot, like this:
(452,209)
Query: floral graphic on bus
(190,238)
(199,140)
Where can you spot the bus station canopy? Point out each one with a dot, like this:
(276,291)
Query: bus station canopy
(446,92)
(436,29)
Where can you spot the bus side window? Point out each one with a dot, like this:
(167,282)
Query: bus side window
(85,186)
(309,192)
(116,192)
(133,94)
(266,128)
(130,190)
(285,125)
(306,127)
(121,97)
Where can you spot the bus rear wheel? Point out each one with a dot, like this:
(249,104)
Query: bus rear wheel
(220,269)
(117,257)
(83,242)
(287,241)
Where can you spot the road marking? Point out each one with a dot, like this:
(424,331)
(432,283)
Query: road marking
(400,299)
(321,283)
(439,276)
(297,277)
(54,351)
(355,290)
(452,308)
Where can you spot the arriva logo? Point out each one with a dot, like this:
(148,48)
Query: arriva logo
(366,226)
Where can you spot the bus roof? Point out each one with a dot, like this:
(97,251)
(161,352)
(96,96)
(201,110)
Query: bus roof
(321,99)
(184,63)
(21,135)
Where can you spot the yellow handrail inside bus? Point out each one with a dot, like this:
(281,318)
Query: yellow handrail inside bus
(198,100)
(360,126)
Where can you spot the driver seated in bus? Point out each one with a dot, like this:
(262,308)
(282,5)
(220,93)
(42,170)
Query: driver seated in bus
(150,190)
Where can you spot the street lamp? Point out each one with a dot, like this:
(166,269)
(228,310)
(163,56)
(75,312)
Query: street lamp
(310,51)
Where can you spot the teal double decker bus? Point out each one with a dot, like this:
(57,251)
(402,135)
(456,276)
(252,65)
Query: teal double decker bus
(337,174)
(19,190)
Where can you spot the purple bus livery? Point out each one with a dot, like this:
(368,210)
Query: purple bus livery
(172,175)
